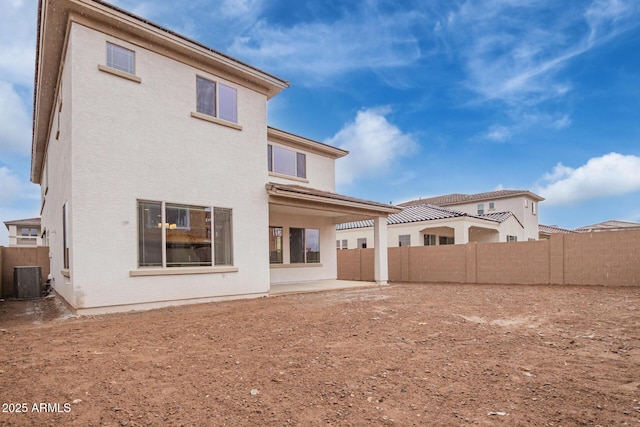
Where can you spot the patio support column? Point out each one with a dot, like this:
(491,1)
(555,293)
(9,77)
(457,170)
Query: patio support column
(380,265)
(461,233)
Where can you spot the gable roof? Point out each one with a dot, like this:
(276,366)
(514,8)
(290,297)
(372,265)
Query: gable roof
(552,229)
(31,222)
(427,212)
(297,141)
(458,199)
(611,224)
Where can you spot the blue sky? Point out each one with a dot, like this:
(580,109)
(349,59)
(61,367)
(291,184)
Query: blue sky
(430,97)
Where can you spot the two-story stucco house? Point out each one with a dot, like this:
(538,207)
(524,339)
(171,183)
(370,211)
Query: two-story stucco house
(161,181)
(24,232)
(496,216)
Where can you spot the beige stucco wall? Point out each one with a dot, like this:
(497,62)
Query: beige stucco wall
(320,171)
(58,184)
(131,141)
(287,272)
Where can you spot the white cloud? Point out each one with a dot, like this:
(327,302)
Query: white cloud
(319,50)
(498,133)
(15,122)
(514,57)
(374,145)
(610,175)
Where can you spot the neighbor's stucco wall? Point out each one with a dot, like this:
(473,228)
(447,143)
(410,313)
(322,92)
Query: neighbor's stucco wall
(286,272)
(138,141)
(513,204)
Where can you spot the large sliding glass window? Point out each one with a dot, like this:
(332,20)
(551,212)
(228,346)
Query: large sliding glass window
(304,245)
(173,235)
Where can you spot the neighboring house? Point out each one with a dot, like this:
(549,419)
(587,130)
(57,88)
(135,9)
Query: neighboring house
(497,216)
(24,232)
(545,231)
(161,181)
(611,225)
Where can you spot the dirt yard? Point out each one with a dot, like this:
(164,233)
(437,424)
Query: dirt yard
(397,355)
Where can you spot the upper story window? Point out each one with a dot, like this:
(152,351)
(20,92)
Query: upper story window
(216,100)
(287,162)
(480,208)
(29,232)
(120,58)
(404,240)
(492,206)
(534,208)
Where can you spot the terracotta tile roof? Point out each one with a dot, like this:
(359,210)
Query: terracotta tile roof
(457,198)
(425,212)
(611,224)
(552,229)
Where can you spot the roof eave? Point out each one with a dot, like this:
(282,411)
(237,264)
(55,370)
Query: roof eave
(287,138)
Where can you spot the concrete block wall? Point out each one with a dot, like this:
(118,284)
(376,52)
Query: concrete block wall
(608,259)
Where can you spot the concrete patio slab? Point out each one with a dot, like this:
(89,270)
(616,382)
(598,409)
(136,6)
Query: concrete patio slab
(317,286)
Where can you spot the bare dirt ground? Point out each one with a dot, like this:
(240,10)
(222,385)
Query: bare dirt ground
(404,354)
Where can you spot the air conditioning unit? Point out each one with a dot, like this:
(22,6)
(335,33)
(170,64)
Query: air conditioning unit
(27,282)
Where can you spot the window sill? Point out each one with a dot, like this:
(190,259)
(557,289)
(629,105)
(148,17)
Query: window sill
(181,271)
(65,272)
(119,73)
(215,120)
(291,177)
(296,265)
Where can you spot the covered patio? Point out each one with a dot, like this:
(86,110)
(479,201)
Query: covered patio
(293,208)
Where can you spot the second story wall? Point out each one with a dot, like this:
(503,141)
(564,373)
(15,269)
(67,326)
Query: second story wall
(295,160)
(524,208)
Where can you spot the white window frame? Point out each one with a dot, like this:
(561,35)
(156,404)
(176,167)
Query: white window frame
(297,155)
(404,237)
(115,49)
(163,225)
(362,243)
(480,208)
(220,111)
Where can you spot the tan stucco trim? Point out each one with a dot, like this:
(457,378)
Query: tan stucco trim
(295,141)
(215,120)
(293,178)
(181,271)
(119,73)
